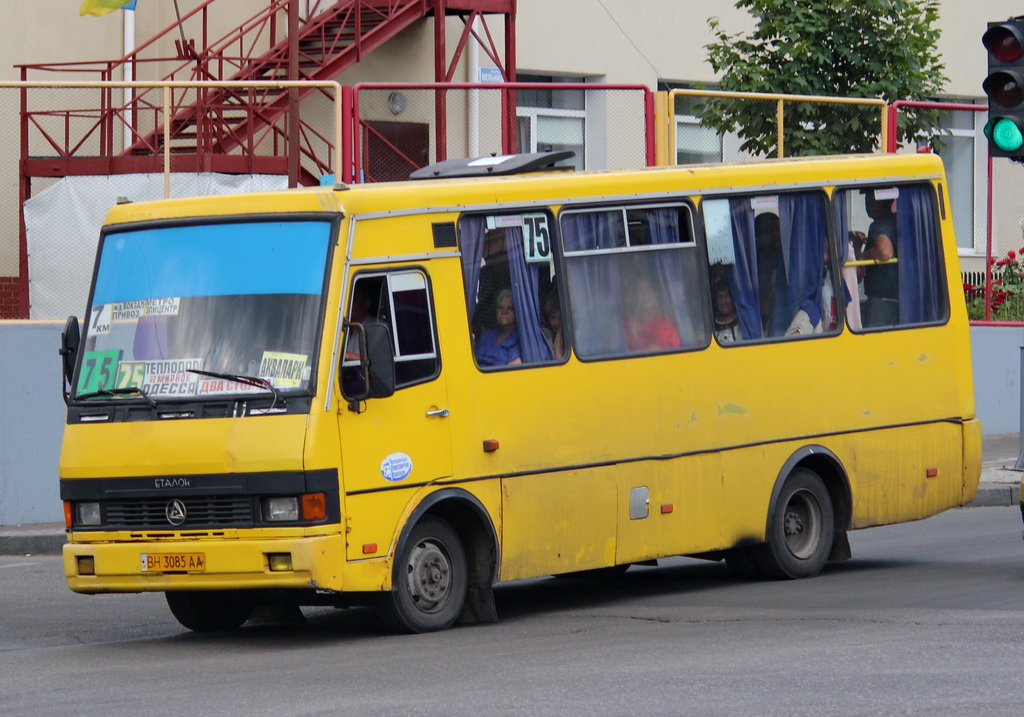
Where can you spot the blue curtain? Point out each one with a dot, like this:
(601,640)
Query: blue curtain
(471,245)
(595,297)
(921,296)
(802,217)
(526,295)
(664,229)
(742,276)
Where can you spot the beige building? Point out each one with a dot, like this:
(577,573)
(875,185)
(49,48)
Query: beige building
(654,43)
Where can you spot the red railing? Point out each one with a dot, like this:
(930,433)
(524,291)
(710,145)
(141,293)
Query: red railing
(218,121)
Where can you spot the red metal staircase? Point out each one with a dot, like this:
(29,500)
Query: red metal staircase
(232,130)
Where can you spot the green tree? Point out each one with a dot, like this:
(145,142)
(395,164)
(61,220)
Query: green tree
(839,48)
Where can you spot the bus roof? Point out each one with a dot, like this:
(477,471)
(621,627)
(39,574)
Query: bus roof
(551,187)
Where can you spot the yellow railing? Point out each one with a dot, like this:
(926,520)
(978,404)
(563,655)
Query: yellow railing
(667,137)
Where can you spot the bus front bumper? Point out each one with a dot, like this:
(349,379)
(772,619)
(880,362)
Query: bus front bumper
(315,563)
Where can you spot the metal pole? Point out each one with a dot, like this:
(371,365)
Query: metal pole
(293,94)
(1019,465)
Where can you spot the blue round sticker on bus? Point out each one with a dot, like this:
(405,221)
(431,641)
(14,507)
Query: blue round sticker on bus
(396,467)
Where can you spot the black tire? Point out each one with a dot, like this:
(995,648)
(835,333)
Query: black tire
(211,611)
(430,580)
(800,531)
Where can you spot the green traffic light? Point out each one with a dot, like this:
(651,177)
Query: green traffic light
(1005,134)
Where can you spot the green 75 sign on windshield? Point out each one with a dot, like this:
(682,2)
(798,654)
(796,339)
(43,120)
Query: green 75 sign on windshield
(99,370)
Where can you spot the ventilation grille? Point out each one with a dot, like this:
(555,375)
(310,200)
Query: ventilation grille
(151,513)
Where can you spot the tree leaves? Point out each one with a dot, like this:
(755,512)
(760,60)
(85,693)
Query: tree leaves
(844,48)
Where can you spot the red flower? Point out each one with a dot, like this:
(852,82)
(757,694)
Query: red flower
(1011,255)
(1002,262)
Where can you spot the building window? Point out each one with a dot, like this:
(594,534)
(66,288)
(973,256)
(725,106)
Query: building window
(552,120)
(964,151)
(694,143)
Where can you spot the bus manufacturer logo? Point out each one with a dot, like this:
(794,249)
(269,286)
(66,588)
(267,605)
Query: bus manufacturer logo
(175,512)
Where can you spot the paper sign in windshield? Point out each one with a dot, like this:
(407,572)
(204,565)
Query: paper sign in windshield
(283,370)
(128,310)
(160,378)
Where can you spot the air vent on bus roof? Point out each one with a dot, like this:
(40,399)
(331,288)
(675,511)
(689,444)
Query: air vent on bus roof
(495,165)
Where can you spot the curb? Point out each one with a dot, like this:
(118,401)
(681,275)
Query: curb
(51,542)
(32,544)
(998,494)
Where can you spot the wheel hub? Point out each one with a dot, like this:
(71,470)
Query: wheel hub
(429,576)
(794,525)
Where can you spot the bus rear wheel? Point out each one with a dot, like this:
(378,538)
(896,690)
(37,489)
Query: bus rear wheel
(218,611)
(800,531)
(430,580)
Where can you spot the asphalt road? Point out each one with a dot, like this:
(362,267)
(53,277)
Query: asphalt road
(928,618)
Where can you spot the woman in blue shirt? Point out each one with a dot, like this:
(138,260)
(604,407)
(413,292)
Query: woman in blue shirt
(500,346)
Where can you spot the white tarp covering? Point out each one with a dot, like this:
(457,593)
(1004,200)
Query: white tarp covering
(62,225)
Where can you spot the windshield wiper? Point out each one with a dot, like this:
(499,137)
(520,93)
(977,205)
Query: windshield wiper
(249,380)
(133,391)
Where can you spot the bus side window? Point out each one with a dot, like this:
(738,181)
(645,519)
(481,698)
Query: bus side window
(891,242)
(401,301)
(511,289)
(634,280)
(771,270)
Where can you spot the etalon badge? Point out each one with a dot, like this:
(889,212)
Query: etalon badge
(175,512)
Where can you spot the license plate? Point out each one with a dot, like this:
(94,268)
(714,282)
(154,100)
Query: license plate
(173,562)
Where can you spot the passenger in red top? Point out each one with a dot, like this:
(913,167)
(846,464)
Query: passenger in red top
(648,327)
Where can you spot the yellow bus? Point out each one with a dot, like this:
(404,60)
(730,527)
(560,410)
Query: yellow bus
(402,394)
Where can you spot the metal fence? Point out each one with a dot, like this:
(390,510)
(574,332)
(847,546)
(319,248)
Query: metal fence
(708,126)
(382,131)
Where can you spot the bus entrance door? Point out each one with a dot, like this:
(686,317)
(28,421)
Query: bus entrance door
(403,440)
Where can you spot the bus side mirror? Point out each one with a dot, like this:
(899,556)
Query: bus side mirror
(70,340)
(374,375)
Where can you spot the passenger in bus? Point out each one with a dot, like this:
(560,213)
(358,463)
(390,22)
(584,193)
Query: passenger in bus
(727,321)
(881,283)
(500,346)
(553,330)
(362,303)
(648,326)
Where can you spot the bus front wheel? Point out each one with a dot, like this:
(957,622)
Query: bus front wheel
(801,529)
(213,611)
(430,580)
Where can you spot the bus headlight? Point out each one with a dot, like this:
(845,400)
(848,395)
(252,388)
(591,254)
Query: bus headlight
(281,509)
(87,513)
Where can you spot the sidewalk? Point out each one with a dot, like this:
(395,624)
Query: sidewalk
(1000,485)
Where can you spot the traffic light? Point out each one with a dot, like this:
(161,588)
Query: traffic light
(1005,87)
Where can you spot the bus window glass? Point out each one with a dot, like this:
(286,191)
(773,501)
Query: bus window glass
(771,272)
(891,244)
(229,298)
(400,301)
(511,288)
(634,281)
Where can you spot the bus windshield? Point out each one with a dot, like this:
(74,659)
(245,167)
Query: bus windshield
(173,306)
